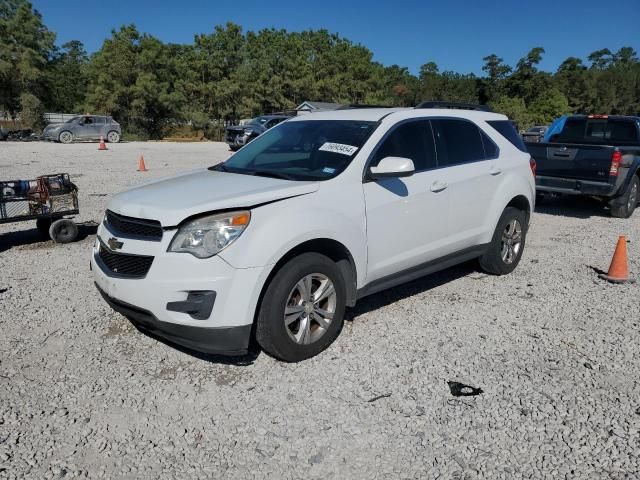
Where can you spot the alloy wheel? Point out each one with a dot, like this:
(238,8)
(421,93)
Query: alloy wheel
(310,307)
(511,241)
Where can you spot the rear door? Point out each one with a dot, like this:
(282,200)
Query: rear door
(470,163)
(407,218)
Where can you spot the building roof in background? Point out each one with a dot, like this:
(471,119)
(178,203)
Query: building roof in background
(310,106)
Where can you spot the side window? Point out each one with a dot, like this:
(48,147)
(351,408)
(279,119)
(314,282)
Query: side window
(99,120)
(87,121)
(491,150)
(457,142)
(508,131)
(410,140)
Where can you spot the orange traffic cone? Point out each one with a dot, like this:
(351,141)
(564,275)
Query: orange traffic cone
(102,145)
(141,166)
(619,268)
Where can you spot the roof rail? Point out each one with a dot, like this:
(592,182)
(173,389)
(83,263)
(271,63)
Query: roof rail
(455,106)
(358,105)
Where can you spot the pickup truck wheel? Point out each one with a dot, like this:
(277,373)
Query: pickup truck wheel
(302,310)
(540,197)
(624,206)
(506,247)
(65,137)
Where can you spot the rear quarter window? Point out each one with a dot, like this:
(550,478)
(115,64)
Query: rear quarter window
(460,141)
(508,131)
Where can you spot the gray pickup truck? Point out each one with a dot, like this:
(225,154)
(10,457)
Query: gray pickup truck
(593,155)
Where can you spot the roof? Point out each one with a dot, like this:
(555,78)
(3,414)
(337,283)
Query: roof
(310,105)
(377,114)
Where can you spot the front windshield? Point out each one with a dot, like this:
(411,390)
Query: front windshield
(302,150)
(72,119)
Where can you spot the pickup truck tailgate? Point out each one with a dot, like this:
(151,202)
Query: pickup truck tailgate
(580,162)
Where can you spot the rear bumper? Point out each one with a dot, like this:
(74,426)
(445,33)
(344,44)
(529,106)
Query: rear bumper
(223,341)
(574,187)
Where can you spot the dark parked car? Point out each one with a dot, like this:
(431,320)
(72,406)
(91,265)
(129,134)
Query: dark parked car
(239,135)
(594,155)
(84,127)
(534,134)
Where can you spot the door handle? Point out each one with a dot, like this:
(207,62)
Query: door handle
(495,171)
(438,186)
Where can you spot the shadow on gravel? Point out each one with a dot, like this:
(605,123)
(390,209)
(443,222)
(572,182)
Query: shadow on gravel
(573,206)
(387,297)
(238,361)
(31,237)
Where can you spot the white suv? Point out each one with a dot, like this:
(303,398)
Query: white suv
(322,210)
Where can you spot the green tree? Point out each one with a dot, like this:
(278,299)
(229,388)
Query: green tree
(67,78)
(25,47)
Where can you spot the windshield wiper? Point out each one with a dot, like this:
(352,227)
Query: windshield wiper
(220,167)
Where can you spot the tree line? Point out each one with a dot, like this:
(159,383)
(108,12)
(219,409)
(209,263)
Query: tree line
(152,87)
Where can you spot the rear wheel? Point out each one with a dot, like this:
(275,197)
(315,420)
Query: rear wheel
(506,247)
(302,311)
(625,205)
(113,137)
(63,231)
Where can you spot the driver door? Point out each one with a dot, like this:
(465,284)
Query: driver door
(85,128)
(407,218)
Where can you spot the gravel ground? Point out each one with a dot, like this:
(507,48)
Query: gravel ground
(555,351)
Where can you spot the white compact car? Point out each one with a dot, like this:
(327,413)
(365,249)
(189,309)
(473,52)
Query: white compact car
(273,244)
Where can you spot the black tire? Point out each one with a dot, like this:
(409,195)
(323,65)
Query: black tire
(65,137)
(234,148)
(624,206)
(540,198)
(113,137)
(272,334)
(63,231)
(493,261)
(43,225)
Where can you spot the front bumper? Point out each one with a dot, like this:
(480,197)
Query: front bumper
(224,341)
(162,302)
(50,135)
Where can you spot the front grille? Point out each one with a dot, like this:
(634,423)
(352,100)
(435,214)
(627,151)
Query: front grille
(124,265)
(134,227)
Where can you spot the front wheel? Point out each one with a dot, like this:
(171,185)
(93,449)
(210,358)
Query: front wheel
(625,205)
(65,137)
(302,310)
(113,137)
(506,247)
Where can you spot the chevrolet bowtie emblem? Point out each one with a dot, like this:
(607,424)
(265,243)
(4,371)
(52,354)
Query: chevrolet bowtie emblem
(114,244)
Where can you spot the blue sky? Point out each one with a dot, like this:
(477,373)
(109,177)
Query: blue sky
(454,34)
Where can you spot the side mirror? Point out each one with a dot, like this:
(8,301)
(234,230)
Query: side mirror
(392,167)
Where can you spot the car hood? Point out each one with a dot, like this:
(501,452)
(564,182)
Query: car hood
(51,126)
(171,200)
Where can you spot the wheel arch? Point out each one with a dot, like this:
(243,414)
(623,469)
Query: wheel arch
(333,249)
(521,203)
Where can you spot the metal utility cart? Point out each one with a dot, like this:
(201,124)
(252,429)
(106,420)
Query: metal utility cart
(47,200)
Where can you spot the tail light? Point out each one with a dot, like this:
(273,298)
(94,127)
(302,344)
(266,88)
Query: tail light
(616,159)
(532,164)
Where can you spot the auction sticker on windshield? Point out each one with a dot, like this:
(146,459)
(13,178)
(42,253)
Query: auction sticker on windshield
(338,148)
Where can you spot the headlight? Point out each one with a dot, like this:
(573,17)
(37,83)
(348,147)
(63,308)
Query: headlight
(248,131)
(206,236)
